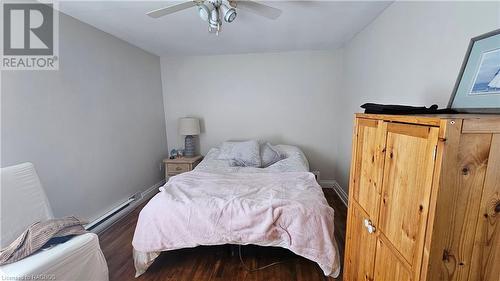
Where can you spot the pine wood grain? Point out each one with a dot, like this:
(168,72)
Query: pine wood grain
(440,196)
(364,197)
(458,238)
(458,209)
(485,260)
(410,119)
(214,263)
(487,123)
(359,267)
(408,173)
(369,159)
(388,266)
(477,126)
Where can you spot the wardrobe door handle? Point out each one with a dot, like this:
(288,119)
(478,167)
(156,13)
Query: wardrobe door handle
(371,229)
(369,226)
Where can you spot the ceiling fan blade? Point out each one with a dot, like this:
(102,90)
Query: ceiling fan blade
(170,10)
(259,9)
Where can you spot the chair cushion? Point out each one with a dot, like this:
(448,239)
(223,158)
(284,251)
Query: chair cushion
(80,258)
(23,201)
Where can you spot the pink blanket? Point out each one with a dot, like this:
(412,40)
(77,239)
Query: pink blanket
(285,210)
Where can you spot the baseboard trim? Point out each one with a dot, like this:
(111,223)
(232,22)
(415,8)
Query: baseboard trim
(150,192)
(333,184)
(144,195)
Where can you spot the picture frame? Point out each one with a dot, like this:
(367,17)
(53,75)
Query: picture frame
(477,89)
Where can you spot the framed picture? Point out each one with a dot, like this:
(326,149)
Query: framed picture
(477,88)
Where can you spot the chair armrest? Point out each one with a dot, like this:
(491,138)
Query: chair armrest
(79,258)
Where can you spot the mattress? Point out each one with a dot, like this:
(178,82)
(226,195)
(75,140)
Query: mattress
(294,161)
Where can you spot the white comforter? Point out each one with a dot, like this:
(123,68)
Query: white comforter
(281,205)
(213,205)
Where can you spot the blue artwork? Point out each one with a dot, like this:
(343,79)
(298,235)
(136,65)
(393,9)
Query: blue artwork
(488,75)
(478,85)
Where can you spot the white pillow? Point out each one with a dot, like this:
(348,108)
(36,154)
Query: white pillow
(269,155)
(244,153)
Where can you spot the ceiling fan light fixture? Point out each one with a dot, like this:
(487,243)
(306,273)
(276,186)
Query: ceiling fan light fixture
(216,11)
(205,10)
(228,13)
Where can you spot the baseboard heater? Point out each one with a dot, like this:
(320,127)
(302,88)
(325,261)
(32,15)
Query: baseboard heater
(103,222)
(109,214)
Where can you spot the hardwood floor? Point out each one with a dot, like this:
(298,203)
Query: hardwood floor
(215,262)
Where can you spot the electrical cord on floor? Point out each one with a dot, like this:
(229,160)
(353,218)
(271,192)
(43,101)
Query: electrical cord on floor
(258,268)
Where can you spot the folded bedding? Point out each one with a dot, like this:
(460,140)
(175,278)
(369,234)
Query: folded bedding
(39,235)
(284,209)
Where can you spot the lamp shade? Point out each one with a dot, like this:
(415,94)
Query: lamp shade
(189,126)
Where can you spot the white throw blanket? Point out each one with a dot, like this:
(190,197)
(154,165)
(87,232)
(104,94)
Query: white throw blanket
(286,210)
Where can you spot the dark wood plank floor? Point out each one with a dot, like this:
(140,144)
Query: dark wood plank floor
(215,262)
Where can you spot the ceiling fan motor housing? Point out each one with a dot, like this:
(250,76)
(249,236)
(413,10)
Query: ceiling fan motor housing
(214,19)
(213,11)
(216,3)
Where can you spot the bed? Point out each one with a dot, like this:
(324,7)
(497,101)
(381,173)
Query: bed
(281,205)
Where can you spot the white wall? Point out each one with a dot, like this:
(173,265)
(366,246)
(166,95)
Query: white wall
(281,97)
(411,54)
(95,129)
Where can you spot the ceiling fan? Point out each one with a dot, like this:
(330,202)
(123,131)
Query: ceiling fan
(215,11)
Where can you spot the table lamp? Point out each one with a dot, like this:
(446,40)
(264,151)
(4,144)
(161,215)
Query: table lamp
(189,127)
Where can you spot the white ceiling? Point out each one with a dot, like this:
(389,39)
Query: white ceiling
(304,25)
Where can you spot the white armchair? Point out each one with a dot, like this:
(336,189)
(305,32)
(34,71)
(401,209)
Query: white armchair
(23,202)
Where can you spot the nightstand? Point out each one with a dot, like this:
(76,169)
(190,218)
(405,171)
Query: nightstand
(180,165)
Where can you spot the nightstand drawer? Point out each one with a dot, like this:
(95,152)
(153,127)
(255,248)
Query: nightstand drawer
(180,165)
(177,168)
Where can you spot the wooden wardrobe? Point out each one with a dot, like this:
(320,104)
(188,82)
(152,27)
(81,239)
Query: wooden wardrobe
(424,198)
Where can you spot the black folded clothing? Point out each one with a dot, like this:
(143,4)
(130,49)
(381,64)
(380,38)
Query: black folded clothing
(375,108)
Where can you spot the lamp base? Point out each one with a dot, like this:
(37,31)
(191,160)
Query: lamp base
(189,146)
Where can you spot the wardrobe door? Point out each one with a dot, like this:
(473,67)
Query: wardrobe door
(368,165)
(360,251)
(364,198)
(407,181)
